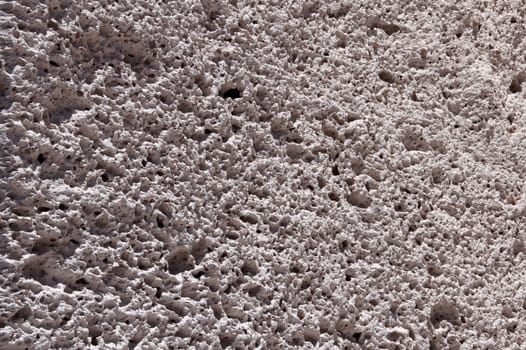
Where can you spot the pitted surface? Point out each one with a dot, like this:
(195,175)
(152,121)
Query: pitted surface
(262,174)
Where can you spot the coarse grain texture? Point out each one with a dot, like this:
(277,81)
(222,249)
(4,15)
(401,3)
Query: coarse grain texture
(262,174)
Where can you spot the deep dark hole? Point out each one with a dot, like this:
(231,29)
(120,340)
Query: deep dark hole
(513,20)
(94,341)
(356,336)
(232,93)
(160,223)
(104,177)
(335,170)
(53,63)
(41,158)
(236,128)
(62,206)
(198,274)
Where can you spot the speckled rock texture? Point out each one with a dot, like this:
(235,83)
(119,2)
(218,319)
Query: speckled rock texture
(262,174)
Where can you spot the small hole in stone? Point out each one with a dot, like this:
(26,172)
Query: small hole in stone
(335,170)
(198,274)
(515,86)
(236,128)
(295,269)
(513,20)
(444,311)
(62,206)
(349,181)
(356,337)
(334,196)
(81,280)
(512,328)
(233,93)
(250,267)
(434,270)
(104,177)
(386,76)
(41,158)
(359,200)
(186,107)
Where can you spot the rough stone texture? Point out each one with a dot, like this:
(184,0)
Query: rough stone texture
(262,174)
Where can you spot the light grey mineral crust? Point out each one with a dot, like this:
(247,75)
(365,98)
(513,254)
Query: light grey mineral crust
(266,174)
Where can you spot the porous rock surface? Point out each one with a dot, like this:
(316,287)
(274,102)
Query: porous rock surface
(262,174)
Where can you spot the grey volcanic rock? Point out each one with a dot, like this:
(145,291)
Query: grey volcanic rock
(262,174)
